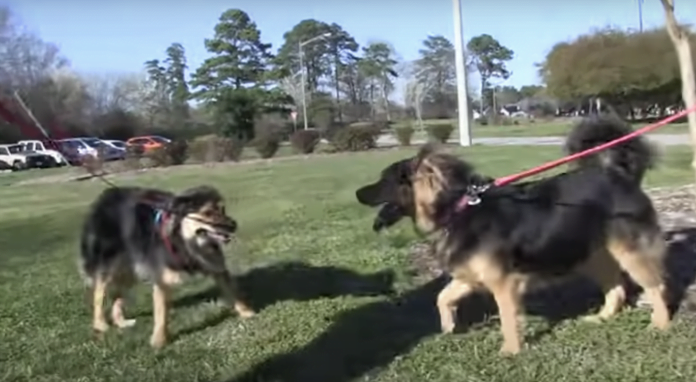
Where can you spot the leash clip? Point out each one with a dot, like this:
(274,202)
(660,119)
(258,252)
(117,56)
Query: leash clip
(473,200)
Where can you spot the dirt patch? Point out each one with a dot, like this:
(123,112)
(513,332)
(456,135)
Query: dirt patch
(677,210)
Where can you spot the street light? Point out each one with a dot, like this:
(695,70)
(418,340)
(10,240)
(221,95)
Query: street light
(299,48)
(460,65)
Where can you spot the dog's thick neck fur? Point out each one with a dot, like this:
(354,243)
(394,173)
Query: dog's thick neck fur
(451,179)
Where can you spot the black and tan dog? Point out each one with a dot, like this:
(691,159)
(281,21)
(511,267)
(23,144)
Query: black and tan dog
(593,219)
(133,234)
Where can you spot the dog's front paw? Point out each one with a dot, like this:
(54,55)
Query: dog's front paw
(592,318)
(158,340)
(100,326)
(509,349)
(244,311)
(125,323)
(447,326)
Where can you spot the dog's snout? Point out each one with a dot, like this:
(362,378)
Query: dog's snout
(232,224)
(378,224)
(369,195)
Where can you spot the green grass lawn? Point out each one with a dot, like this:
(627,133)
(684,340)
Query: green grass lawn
(311,262)
(543,129)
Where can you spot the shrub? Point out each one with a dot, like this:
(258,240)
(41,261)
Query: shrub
(331,130)
(172,154)
(355,138)
(176,152)
(216,149)
(404,135)
(134,151)
(267,145)
(440,132)
(157,156)
(305,141)
(132,160)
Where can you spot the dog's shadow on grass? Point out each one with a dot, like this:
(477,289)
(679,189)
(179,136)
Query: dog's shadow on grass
(681,268)
(298,281)
(358,340)
(292,280)
(371,336)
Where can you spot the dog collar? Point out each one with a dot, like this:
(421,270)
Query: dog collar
(158,217)
(471,197)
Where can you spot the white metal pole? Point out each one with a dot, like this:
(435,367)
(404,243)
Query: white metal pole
(460,64)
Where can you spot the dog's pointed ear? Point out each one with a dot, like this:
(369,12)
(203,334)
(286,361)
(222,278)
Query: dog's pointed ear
(425,151)
(192,199)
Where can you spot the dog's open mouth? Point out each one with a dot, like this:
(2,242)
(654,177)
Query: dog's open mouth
(388,215)
(222,237)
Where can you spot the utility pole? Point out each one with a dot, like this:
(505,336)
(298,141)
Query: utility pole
(460,65)
(640,15)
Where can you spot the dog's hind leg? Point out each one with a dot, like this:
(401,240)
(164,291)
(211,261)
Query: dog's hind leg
(606,273)
(231,294)
(100,284)
(121,289)
(642,260)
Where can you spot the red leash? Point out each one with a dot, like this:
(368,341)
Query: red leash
(473,199)
(547,166)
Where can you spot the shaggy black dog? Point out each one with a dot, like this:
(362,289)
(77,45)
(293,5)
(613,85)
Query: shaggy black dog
(593,219)
(133,234)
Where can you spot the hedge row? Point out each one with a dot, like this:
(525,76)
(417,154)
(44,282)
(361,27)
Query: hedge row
(219,149)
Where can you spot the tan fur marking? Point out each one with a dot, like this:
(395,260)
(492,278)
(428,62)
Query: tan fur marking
(428,182)
(117,315)
(606,273)
(646,269)
(171,277)
(482,270)
(121,282)
(160,297)
(508,301)
(447,301)
(99,294)
(231,295)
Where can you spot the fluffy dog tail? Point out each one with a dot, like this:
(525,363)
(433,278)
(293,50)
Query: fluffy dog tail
(631,158)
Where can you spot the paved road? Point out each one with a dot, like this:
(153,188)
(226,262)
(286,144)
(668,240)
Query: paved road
(663,139)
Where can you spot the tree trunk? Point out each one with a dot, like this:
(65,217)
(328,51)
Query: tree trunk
(386,101)
(337,63)
(680,39)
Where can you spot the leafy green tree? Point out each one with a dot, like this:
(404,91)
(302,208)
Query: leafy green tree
(435,70)
(157,97)
(377,66)
(627,69)
(505,95)
(176,81)
(233,81)
(528,91)
(326,49)
(343,48)
(489,57)
(316,52)
(355,86)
